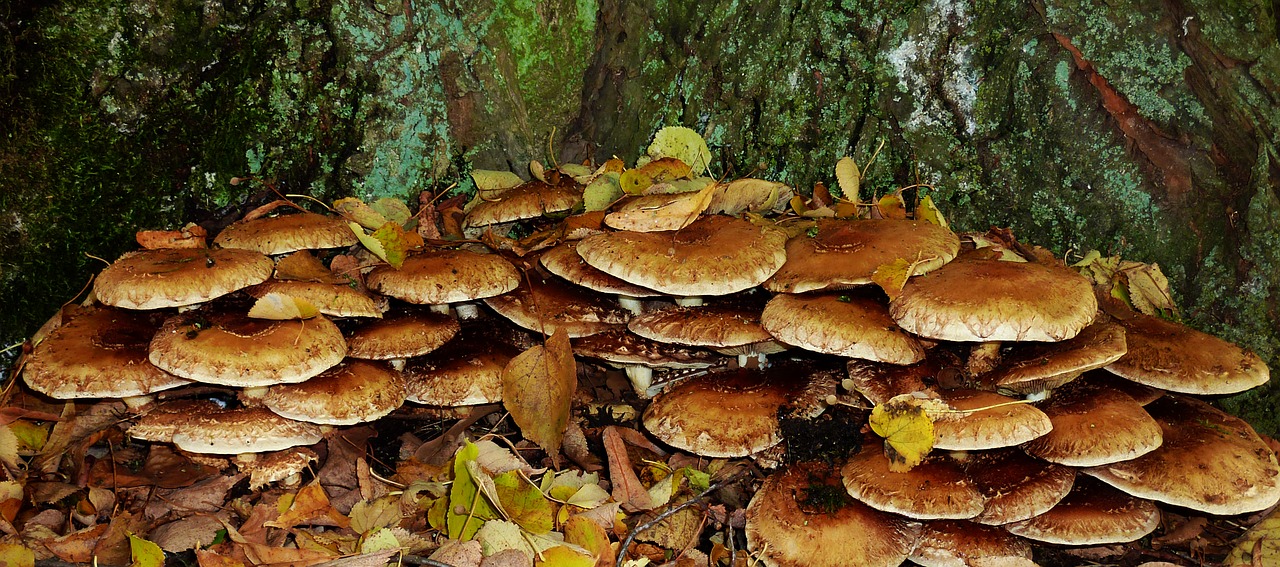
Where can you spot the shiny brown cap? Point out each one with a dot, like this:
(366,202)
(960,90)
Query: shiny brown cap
(1175,357)
(1094,425)
(621,347)
(564,261)
(844,253)
(287,233)
(355,391)
(402,335)
(961,543)
(935,489)
(851,325)
(544,305)
(716,326)
(1029,368)
(1091,514)
(205,427)
(528,200)
(1016,485)
(465,371)
(441,276)
(176,277)
(996,421)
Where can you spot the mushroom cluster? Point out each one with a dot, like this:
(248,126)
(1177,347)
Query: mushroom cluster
(727,321)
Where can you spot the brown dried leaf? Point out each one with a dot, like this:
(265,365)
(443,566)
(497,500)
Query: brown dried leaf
(303,266)
(77,547)
(662,212)
(537,388)
(310,507)
(189,236)
(627,488)
(208,558)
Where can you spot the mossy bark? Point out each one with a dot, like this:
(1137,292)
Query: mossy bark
(1147,128)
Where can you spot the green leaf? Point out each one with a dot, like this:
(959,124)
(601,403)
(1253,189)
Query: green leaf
(468,509)
(356,210)
(393,210)
(684,144)
(145,553)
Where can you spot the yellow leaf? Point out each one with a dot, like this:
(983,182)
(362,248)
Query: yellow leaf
(302,266)
(684,144)
(562,556)
(1259,546)
(892,276)
(14,555)
(8,447)
(538,172)
(907,430)
(145,553)
(928,211)
(393,210)
(358,211)
(798,205)
(279,307)
(31,437)
(892,206)
(380,540)
(391,242)
(634,181)
(537,388)
(602,192)
(490,180)
(747,194)
(1149,290)
(849,178)
(661,212)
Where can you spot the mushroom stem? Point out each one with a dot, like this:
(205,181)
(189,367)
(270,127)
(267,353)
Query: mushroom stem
(467,310)
(641,377)
(691,301)
(632,304)
(441,308)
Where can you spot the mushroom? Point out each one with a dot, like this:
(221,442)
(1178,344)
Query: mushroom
(528,200)
(544,305)
(563,260)
(1091,514)
(960,543)
(838,254)
(465,371)
(639,356)
(177,277)
(1094,425)
(1016,486)
(403,335)
(441,277)
(1031,368)
(1175,357)
(937,488)
(202,426)
(354,391)
(727,329)
(334,300)
(852,325)
(287,233)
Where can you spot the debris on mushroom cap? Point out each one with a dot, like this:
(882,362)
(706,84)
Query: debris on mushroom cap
(222,347)
(734,413)
(856,326)
(287,233)
(465,371)
(544,305)
(176,277)
(354,391)
(1210,461)
(957,543)
(802,517)
(1017,486)
(564,261)
(441,276)
(1091,514)
(275,466)
(529,200)
(1175,357)
(331,299)
(1030,368)
(715,255)
(935,489)
(403,335)
(100,353)
(205,427)
(1094,425)
(845,253)
(974,298)
(996,421)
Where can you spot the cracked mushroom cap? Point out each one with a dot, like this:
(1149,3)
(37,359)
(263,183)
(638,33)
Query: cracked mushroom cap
(1210,461)
(1175,357)
(334,300)
(544,305)
(734,413)
(442,276)
(974,298)
(960,543)
(355,391)
(854,326)
(844,253)
(715,255)
(287,233)
(802,516)
(231,349)
(177,277)
(1092,514)
(1035,367)
(564,261)
(404,335)
(996,421)
(466,371)
(205,427)
(528,200)
(1094,425)
(99,353)
(935,489)
(1017,486)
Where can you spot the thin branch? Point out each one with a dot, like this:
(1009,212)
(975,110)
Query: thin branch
(631,536)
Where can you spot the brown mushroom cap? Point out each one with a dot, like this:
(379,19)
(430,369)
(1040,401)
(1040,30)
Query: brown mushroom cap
(856,326)
(99,353)
(715,255)
(439,277)
(998,421)
(716,326)
(465,371)
(733,413)
(1210,461)
(175,277)
(1035,367)
(219,347)
(621,347)
(1092,514)
(204,427)
(845,253)
(544,305)
(935,489)
(333,300)
(1175,357)
(287,233)
(564,261)
(977,299)
(795,519)
(1017,486)
(959,543)
(879,382)
(525,201)
(402,335)
(355,391)
(1094,425)
(267,468)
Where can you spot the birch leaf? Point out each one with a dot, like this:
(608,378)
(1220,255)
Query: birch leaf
(684,144)
(537,388)
(277,306)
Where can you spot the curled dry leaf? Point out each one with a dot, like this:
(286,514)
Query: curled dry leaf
(662,212)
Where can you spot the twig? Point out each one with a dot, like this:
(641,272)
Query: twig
(631,536)
(416,560)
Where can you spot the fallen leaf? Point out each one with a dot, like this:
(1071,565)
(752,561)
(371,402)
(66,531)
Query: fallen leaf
(524,502)
(627,489)
(1149,290)
(277,306)
(77,546)
(891,277)
(14,555)
(145,553)
(189,236)
(537,388)
(602,192)
(849,178)
(1259,546)
(393,210)
(661,170)
(190,532)
(211,559)
(8,447)
(907,430)
(500,535)
(927,211)
(303,266)
(363,215)
(494,181)
(661,212)
(311,507)
(684,144)
(562,556)
(748,195)
(589,535)
(892,206)
(467,509)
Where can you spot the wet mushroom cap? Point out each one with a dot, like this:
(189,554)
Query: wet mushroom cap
(974,298)
(355,391)
(621,347)
(716,326)
(1175,357)
(1034,367)
(532,199)
(334,300)
(854,326)
(205,427)
(1210,461)
(439,277)
(544,305)
(226,348)
(1092,514)
(958,543)
(403,335)
(564,261)
(845,253)
(715,255)
(287,233)
(990,421)
(177,277)
(935,489)
(99,353)
(799,518)
(1094,425)
(1017,486)
(465,371)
